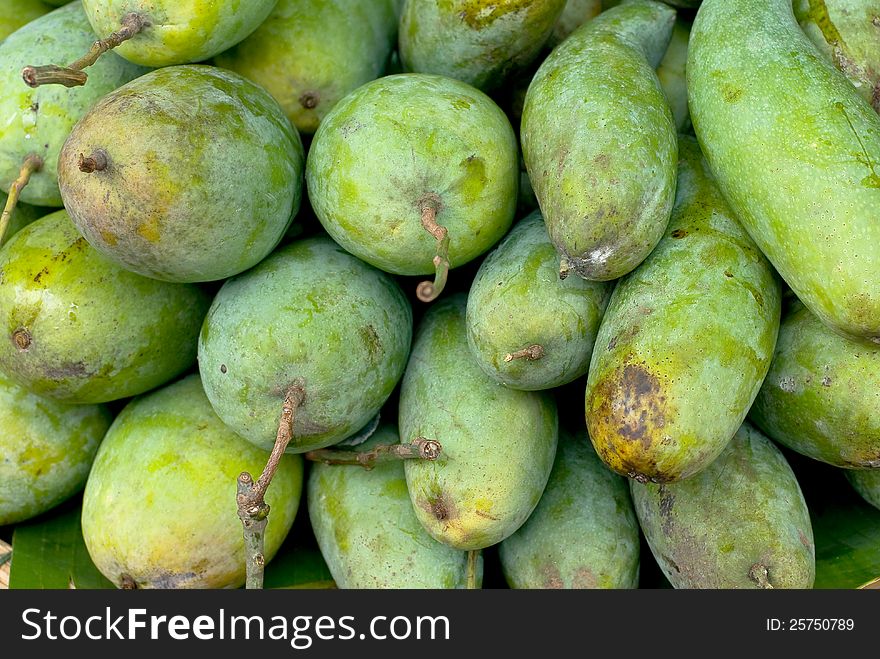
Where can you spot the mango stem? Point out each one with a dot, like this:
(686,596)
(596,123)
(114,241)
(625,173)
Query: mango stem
(532,353)
(472,569)
(32,164)
(253,511)
(97,162)
(419,449)
(73,75)
(428,291)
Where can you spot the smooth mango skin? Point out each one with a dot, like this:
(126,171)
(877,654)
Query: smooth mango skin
(22,215)
(599,140)
(498,443)
(584,532)
(179,31)
(47,450)
(517,300)
(80,329)
(672,76)
(480,42)
(309,54)
(367,530)
(17,13)
(796,153)
(39,120)
(310,315)
(159,505)
(847,32)
(743,518)
(400,141)
(686,340)
(867,483)
(575,14)
(822,394)
(203,186)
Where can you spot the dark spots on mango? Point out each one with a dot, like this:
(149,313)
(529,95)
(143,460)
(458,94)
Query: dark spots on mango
(39,275)
(22,339)
(602,160)
(728,274)
(679,233)
(67,370)
(309,99)
(485,515)
(371,341)
(730,93)
(826,381)
(440,506)
(637,404)
(223,368)
(667,501)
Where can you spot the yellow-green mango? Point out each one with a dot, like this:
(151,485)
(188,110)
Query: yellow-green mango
(22,215)
(17,13)
(672,76)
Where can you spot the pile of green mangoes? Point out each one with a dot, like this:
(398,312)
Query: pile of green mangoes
(545,276)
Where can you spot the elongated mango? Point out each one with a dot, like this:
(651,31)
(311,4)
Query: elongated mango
(685,342)
(796,153)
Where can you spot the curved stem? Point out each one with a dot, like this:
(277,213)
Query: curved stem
(32,164)
(73,75)
(253,511)
(473,554)
(532,353)
(428,291)
(419,449)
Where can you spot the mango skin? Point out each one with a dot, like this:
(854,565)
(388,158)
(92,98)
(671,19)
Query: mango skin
(310,315)
(743,512)
(799,168)
(480,42)
(685,342)
(399,141)
(599,141)
(368,532)
(39,120)
(575,14)
(672,75)
(203,186)
(17,13)
(159,505)
(498,443)
(179,31)
(309,54)
(867,483)
(47,450)
(22,215)
(80,329)
(584,532)
(822,394)
(517,300)
(847,32)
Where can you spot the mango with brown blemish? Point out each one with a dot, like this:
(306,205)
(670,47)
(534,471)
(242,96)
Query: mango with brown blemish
(309,54)
(498,444)
(526,328)
(367,530)
(599,141)
(203,186)
(796,152)
(740,523)
(47,449)
(480,42)
(686,340)
(310,316)
(867,483)
(822,394)
(159,506)
(78,328)
(584,532)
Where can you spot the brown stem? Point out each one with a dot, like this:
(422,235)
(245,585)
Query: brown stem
(759,574)
(532,353)
(73,75)
(428,291)
(419,449)
(97,162)
(564,268)
(473,554)
(32,164)
(253,511)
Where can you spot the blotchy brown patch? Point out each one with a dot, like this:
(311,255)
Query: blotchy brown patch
(551,577)
(667,501)
(637,404)
(439,505)
(679,233)
(585,579)
(805,541)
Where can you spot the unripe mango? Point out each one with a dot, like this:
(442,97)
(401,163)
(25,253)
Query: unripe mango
(17,13)
(575,14)
(867,483)
(23,215)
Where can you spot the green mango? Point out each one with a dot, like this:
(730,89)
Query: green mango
(39,120)
(584,532)
(498,443)
(309,54)
(820,396)
(18,13)
(203,186)
(671,74)
(599,141)
(47,450)
(867,483)
(368,532)
(575,14)
(741,523)
(82,330)
(848,33)
(178,31)
(480,42)
(526,328)
(686,340)
(159,506)
(313,316)
(408,143)
(795,151)
(22,215)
